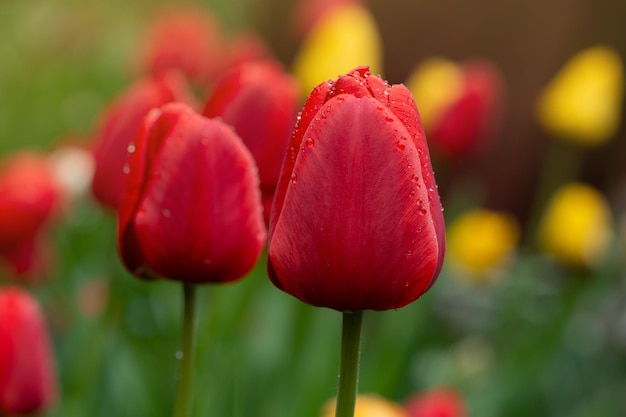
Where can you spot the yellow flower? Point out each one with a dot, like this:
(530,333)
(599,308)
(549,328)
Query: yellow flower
(342,40)
(576,226)
(435,84)
(480,241)
(583,103)
(369,406)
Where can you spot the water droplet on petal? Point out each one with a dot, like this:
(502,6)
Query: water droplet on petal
(166,213)
(408,253)
(126,169)
(400,146)
(411,193)
(389,119)
(309,142)
(421,207)
(131,147)
(294,178)
(414,179)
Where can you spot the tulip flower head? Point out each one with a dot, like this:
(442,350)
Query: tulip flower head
(357,223)
(460,104)
(369,406)
(120,125)
(190,210)
(583,103)
(576,226)
(341,40)
(259,100)
(309,12)
(437,402)
(28,381)
(29,197)
(480,242)
(187,39)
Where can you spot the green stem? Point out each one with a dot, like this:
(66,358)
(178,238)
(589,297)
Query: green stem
(349,367)
(184,395)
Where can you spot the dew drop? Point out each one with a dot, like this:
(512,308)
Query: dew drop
(400,146)
(179,355)
(421,207)
(389,119)
(411,193)
(166,213)
(126,169)
(294,178)
(408,253)
(309,142)
(131,147)
(410,167)
(414,179)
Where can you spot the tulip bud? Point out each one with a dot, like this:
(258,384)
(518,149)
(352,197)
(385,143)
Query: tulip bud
(191,208)
(357,222)
(260,101)
(29,197)
(187,39)
(437,402)
(341,40)
(576,226)
(27,373)
(481,241)
(309,12)
(120,125)
(369,406)
(460,104)
(583,102)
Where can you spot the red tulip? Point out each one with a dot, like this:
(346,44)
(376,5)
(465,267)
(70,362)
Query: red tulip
(187,39)
(29,197)
(437,402)
(191,207)
(244,47)
(120,125)
(471,120)
(260,101)
(356,222)
(27,373)
(309,12)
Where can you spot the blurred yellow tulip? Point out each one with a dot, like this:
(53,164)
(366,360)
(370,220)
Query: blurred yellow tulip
(369,406)
(583,102)
(576,226)
(479,243)
(435,84)
(342,40)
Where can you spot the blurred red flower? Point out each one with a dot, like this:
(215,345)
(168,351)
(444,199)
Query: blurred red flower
(29,197)
(28,381)
(437,402)
(462,102)
(185,38)
(357,222)
(191,207)
(260,100)
(120,125)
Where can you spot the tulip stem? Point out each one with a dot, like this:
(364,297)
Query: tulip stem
(349,366)
(184,395)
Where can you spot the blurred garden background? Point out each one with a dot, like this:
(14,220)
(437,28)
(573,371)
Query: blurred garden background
(515,324)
